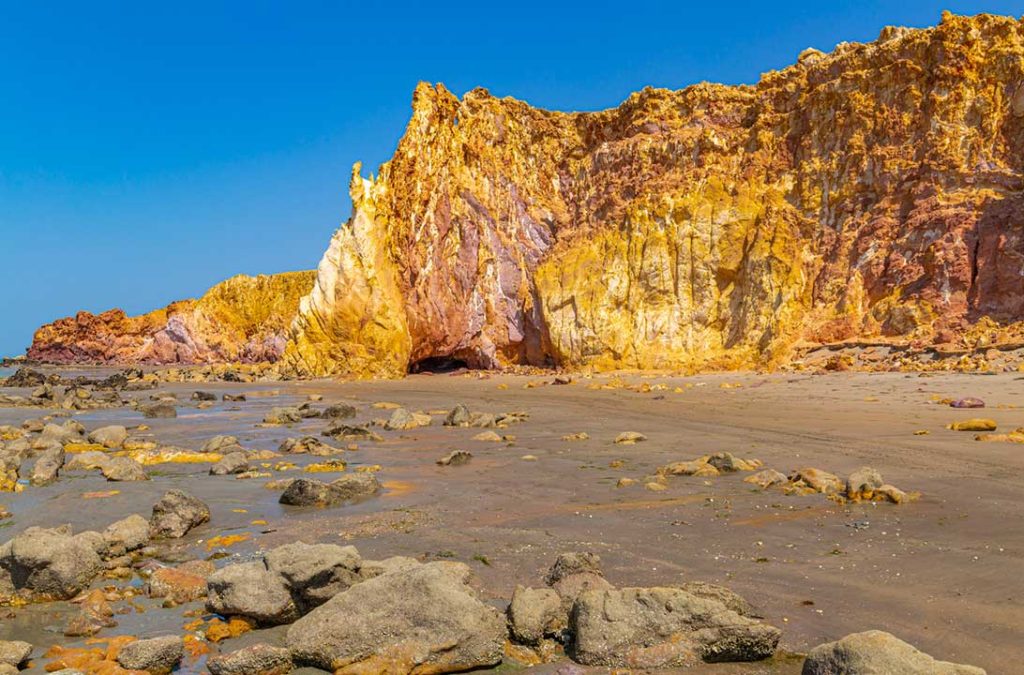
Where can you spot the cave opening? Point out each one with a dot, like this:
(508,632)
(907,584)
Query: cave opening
(438,364)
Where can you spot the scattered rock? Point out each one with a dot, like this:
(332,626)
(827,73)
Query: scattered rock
(176,513)
(109,437)
(47,466)
(817,480)
(315,573)
(157,656)
(487,436)
(50,563)
(123,469)
(231,463)
(402,419)
(309,492)
(251,590)
(455,458)
(181,584)
(220,445)
(875,651)
(535,614)
(129,533)
(283,415)
(767,478)
(663,628)
(307,445)
(967,402)
(158,410)
(257,659)
(203,396)
(15,652)
(974,424)
(339,411)
(424,619)
(347,432)
(629,438)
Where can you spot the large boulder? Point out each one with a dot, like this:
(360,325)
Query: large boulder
(315,573)
(175,514)
(156,656)
(257,659)
(50,563)
(876,652)
(252,591)
(663,628)
(423,619)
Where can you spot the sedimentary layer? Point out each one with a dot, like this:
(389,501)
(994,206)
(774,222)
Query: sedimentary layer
(873,191)
(243,319)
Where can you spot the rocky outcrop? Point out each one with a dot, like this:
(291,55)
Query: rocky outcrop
(870,192)
(242,319)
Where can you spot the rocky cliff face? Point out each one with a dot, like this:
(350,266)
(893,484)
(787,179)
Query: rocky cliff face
(242,319)
(872,192)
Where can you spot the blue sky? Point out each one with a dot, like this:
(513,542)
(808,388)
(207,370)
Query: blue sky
(149,150)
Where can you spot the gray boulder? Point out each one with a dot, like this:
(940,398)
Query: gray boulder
(876,652)
(459,416)
(257,659)
(112,436)
(14,653)
(310,492)
(535,614)
(123,469)
(175,514)
(663,628)
(50,563)
(425,618)
(283,415)
(339,411)
(315,573)
(251,590)
(129,533)
(231,463)
(219,444)
(47,466)
(307,445)
(158,410)
(156,656)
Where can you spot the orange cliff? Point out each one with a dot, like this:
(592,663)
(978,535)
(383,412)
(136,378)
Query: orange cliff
(873,192)
(243,319)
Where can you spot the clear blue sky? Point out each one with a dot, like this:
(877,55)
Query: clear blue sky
(149,150)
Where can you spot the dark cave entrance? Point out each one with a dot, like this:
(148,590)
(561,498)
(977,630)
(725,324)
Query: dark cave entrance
(438,364)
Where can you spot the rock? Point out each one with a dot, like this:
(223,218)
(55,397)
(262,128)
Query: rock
(175,514)
(862,484)
(235,398)
(459,416)
(397,563)
(693,467)
(402,419)
(158,410)
(663,628)
(221,444)
(309,492)
(347,432)
(283,415)
(231,463)
(767,478)
(203,396)
(567,564)
(424,619)
(339,411)
(730,599)
(94,614)
(487,437)
(818,480)
(252,591)
(181,584)
(257,659)
(455,458)
(307,445)
(975,424)
(85,461)
(50,563)
(629,438)
(123,469)
(130,533)
(875,652)
(15,652)
(53,434)
(892,494)
(315,573)
(967,402)
(156,655)
(535,614)
(109,437)
(47,466)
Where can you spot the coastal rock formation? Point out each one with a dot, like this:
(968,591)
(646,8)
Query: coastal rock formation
(242,319)
(870,192)
(873,193)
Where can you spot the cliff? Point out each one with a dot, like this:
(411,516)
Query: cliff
(242,319)
(874,192)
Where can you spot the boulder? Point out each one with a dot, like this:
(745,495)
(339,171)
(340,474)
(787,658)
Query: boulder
(818,480)
(220,444)
(175,514)
(567,564)
(257,659)
(727,597)
(310,492)
(283,415)
(663,628)
(110,437)
(252,591)
(50,563)
(767,478)
(307,445)
(315,573)
(630,437)
(424,619)
(876,652)
(459,416)
(862,483)
(85,461)
(231,463)
(157,656)
(160,409)
(339,411)
(14,652)
(123,469)
(455,458)
(47,466)
(402,419)
(130,533)
(535,614)
(184,583)
(203,396)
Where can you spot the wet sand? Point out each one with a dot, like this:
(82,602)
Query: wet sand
(942,573)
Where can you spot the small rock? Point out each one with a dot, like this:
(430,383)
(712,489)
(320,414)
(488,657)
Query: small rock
(203,396)
(123,469)
(176,513)
(459,416)
(158,410)
(157,655)
(487,436)
(47,466)
(967,402)
(51,563)
(339,411)
(131,533)
(455,458)
(257,659)
(309,492)
(818,480)
(767,478)
(307,445)
(181,584)
(629,438)
(109,437)
(975,424)
(401,419)
(535,614)
(231,463)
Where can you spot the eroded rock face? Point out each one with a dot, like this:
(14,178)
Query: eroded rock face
(873,191)
(241,319)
